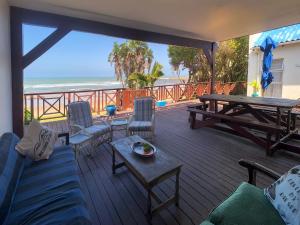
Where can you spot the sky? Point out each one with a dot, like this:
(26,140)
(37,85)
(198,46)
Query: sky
(79,54)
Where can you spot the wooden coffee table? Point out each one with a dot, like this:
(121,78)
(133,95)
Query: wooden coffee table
(148,171)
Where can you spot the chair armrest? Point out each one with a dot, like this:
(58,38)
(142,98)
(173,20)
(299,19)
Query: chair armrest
(77,126)
(253,167)
(98,120)
(130,119)
(153,119)
(74,128)
(67,137)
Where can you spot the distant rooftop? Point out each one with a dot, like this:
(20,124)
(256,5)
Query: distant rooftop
(281,35)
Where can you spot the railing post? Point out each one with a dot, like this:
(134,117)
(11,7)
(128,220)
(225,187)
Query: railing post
(64,94)
(152,93)
(91,102)
(121,98)
(95,101)
(31,108)
(98,102)
(177,93)
(102,100)
(69,98)
(25,108)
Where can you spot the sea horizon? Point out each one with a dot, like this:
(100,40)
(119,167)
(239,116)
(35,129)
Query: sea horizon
(81,83)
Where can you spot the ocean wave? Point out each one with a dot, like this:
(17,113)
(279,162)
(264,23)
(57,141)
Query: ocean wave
(83,85)
(103,83)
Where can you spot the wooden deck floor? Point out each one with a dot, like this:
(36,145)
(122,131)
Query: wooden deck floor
(210,173)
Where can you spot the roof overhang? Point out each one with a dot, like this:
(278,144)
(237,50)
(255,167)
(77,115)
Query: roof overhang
(211,20)
(257,48)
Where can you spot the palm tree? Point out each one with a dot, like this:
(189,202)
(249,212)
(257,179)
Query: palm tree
(137,80)
(155,74)
(130,57)
(141,80)
(115,57)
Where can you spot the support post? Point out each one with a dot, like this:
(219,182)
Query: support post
(213,67)
(211,58)
(16,41)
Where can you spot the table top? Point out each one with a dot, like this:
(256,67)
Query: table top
(262,101)
(148,170)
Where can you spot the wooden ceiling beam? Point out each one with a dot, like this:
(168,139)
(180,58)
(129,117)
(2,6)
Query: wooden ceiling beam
(46,44)
(53,20)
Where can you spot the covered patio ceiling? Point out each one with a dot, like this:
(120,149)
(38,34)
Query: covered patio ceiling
(210,20)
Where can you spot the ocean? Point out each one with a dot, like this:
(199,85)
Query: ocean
(59,84)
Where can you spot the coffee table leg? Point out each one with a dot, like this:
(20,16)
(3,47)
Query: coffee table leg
(149,204)
(177,189)
(113,162)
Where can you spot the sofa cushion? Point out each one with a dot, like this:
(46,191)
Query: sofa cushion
(11,167)
(49,192)
(246,206)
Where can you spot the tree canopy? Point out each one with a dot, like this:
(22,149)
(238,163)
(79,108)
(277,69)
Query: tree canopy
(231,61)
(132,61)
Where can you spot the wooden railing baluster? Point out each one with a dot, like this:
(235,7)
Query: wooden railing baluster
(31,107)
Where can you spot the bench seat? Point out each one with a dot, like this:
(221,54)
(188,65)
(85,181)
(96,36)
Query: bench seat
(238,120)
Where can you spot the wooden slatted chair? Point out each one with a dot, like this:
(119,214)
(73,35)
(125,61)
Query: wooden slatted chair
(80,120)
(143,120)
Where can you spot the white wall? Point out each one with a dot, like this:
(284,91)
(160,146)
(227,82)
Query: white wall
(253,64)
(5,74)
(290,53)
(291,72)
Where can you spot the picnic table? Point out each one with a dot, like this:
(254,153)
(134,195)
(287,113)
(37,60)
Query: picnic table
(273,117)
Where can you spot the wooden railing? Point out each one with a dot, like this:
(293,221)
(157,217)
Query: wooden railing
(43,106)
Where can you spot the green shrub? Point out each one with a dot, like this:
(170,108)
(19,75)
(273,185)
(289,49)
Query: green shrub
(27,116)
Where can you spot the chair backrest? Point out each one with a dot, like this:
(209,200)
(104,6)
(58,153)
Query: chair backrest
(79,113)
(143,108)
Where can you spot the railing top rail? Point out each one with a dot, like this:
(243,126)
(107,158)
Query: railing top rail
(74,91)
(118,89)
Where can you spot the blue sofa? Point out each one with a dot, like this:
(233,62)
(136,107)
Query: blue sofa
(43,192)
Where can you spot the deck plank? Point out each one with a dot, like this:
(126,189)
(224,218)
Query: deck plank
(209,174)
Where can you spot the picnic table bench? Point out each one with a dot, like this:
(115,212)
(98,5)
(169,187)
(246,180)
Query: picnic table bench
(239,124)
(242,114)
